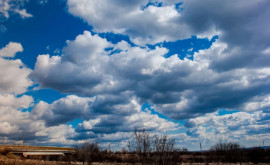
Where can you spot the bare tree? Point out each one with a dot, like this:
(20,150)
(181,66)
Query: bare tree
(228,151)
(141,144)
(163,148)
(87,152)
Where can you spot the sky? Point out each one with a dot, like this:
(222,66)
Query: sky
(73,71)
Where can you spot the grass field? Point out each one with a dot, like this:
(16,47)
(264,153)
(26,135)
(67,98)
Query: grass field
(8,156)
(43,162)
(11,159)
(20,147)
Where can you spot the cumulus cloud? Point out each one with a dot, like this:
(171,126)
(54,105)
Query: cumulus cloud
(107,83)
(14,74)
(49,124)
(158,23)
(243,27)
(14,81)
(14,102)
(11,118)
(178,88)
(258,102)
(23,13)
(11,49)
(228,75)
(4,8)
(63,110)
(119,123)
(124,116)
(167,22)
(8,7)
(40,124)
(212,128)
(17,124)
(238,23)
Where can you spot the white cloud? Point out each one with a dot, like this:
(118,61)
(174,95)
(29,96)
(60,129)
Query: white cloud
(56,135)
(7,128)
(14,102)
(178,88)
(8,7)
(127,123)
(258,103)
(14,76)
(124,115)
(14,121)
(43,2)
(13,73)
(245,128)
(4,7)
(11,49)
(23,13)
(17,125)
(155,24)
(63,110)
(158,23)
(108,86)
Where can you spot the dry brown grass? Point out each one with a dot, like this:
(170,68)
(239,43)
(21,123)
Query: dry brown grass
(18,147)
(5,160)
(17,160)
(11,159)
(107,163)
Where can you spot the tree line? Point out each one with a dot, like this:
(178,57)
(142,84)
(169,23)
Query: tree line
(146,148)
(160,149)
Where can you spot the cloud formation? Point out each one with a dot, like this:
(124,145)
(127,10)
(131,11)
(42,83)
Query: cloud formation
(106,83)
(119,78)
(16,80)
(8,7)
(159,22)
(172,20)
(245,128)
(11,49)
(178,88)
(39,125)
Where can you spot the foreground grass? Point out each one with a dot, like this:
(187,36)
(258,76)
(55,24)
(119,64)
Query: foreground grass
(20,147)
(42,162)
(11,159)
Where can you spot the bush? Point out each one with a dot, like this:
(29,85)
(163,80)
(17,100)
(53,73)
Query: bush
(88,152)
(141,144)
(258,154)
(227,152)
(158,148)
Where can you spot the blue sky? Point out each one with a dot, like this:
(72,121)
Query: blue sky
(75,71)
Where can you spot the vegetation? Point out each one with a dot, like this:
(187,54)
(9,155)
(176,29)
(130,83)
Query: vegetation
(19,147)
(146,148)
(157,149)
(227,152)
(233,152)
(88,152)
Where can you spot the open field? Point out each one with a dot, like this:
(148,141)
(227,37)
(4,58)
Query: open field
(17,161)
(20,147)
(11,159)
(90,153)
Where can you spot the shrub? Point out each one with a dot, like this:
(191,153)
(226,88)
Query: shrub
(158,148)
(227,152)
(88,152)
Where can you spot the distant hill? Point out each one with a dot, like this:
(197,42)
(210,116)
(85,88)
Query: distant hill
(262,147)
